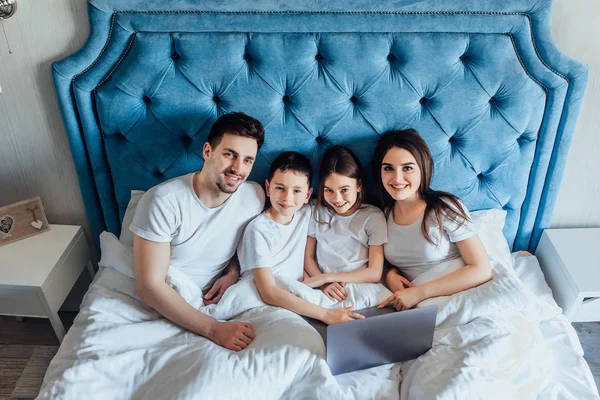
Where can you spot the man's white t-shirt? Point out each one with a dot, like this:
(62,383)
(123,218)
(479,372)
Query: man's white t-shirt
(408,249)
(268,244)
(343,242)
(203,239)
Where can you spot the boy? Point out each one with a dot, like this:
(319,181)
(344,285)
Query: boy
(273,243)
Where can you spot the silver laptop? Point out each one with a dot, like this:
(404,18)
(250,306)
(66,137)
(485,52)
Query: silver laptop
(384,336)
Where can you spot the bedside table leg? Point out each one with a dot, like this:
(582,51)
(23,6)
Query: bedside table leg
(90,269)
(57,325)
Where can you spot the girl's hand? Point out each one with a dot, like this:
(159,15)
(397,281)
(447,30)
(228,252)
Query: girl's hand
(315,281)
(404,299)
(338,315)
(335,291)
(397,282)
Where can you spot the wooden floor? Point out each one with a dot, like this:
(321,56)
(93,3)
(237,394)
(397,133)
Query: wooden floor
(589,335)
(26,348)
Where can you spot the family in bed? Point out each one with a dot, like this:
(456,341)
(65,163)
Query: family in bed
(211,226)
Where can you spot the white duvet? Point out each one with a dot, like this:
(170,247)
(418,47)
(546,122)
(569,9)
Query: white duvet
(495,341)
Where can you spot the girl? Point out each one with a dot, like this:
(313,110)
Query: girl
(425,226)
(346,235)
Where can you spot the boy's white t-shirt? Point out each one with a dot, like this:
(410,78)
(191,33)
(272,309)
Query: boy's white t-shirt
(268,244)
(203,239)
(408,249)
(343,242)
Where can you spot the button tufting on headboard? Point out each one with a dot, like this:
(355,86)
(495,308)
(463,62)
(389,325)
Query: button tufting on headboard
(485,94)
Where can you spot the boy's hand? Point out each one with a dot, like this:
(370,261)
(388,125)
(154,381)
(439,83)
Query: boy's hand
(221,285)
(335,291)
(234,335)
(338,315)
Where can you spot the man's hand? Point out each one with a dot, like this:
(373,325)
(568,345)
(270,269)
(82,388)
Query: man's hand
(233,335)
(221,285)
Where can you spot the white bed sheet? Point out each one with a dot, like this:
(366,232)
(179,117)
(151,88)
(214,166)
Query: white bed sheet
(572,376)
(487,345)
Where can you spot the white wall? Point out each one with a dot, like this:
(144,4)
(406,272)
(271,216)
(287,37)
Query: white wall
(576,30)
(35,158)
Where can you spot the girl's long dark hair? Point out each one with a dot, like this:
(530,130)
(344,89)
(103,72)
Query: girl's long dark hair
(342,161)
(439,203)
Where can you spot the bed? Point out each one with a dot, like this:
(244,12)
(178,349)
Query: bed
(483,83)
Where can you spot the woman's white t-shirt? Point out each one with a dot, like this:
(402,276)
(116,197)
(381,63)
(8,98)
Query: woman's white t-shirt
(343,242)
(408,249)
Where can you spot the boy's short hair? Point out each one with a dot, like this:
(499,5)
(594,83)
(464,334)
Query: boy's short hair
(292,161)
(239,124)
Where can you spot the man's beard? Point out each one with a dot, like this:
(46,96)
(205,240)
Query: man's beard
(226,188)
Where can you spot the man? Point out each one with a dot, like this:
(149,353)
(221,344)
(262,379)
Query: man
(194,222)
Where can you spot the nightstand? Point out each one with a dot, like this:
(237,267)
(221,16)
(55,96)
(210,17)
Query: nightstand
(570,261)
(37,273)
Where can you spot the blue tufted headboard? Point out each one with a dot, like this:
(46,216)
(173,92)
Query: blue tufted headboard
(481,80)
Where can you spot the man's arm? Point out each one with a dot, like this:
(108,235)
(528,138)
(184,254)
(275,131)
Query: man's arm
(151,265)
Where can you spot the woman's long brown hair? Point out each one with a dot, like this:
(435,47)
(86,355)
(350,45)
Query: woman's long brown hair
(439,203)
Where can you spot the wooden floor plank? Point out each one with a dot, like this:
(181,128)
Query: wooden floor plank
(13,360)
(31,379)
(589,336)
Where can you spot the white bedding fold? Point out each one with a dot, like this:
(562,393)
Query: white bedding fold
(492,341)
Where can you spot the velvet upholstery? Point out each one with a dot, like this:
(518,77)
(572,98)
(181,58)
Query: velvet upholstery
(480,80)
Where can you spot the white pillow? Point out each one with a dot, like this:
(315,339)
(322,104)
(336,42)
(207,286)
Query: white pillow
(126,236)
(489,225)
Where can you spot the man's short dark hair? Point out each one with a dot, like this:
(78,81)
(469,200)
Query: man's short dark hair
(292,161)
(239,124)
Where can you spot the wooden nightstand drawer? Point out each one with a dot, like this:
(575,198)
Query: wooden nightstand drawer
(24,303)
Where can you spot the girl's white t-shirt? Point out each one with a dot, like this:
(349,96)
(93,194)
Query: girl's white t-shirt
(408,249)
(343,242)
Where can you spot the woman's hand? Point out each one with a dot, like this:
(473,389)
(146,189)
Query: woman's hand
(335,316)
(316,281)
(335,291)
(404,299)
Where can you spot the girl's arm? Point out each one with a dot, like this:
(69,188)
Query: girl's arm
(371,274)
(477,270)
(310,265)
(276,296)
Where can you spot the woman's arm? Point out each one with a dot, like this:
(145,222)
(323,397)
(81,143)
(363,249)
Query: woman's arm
(310,264)
(477,270)
(276,296)
(371,274)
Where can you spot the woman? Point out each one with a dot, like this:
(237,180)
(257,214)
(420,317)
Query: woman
(425,227)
